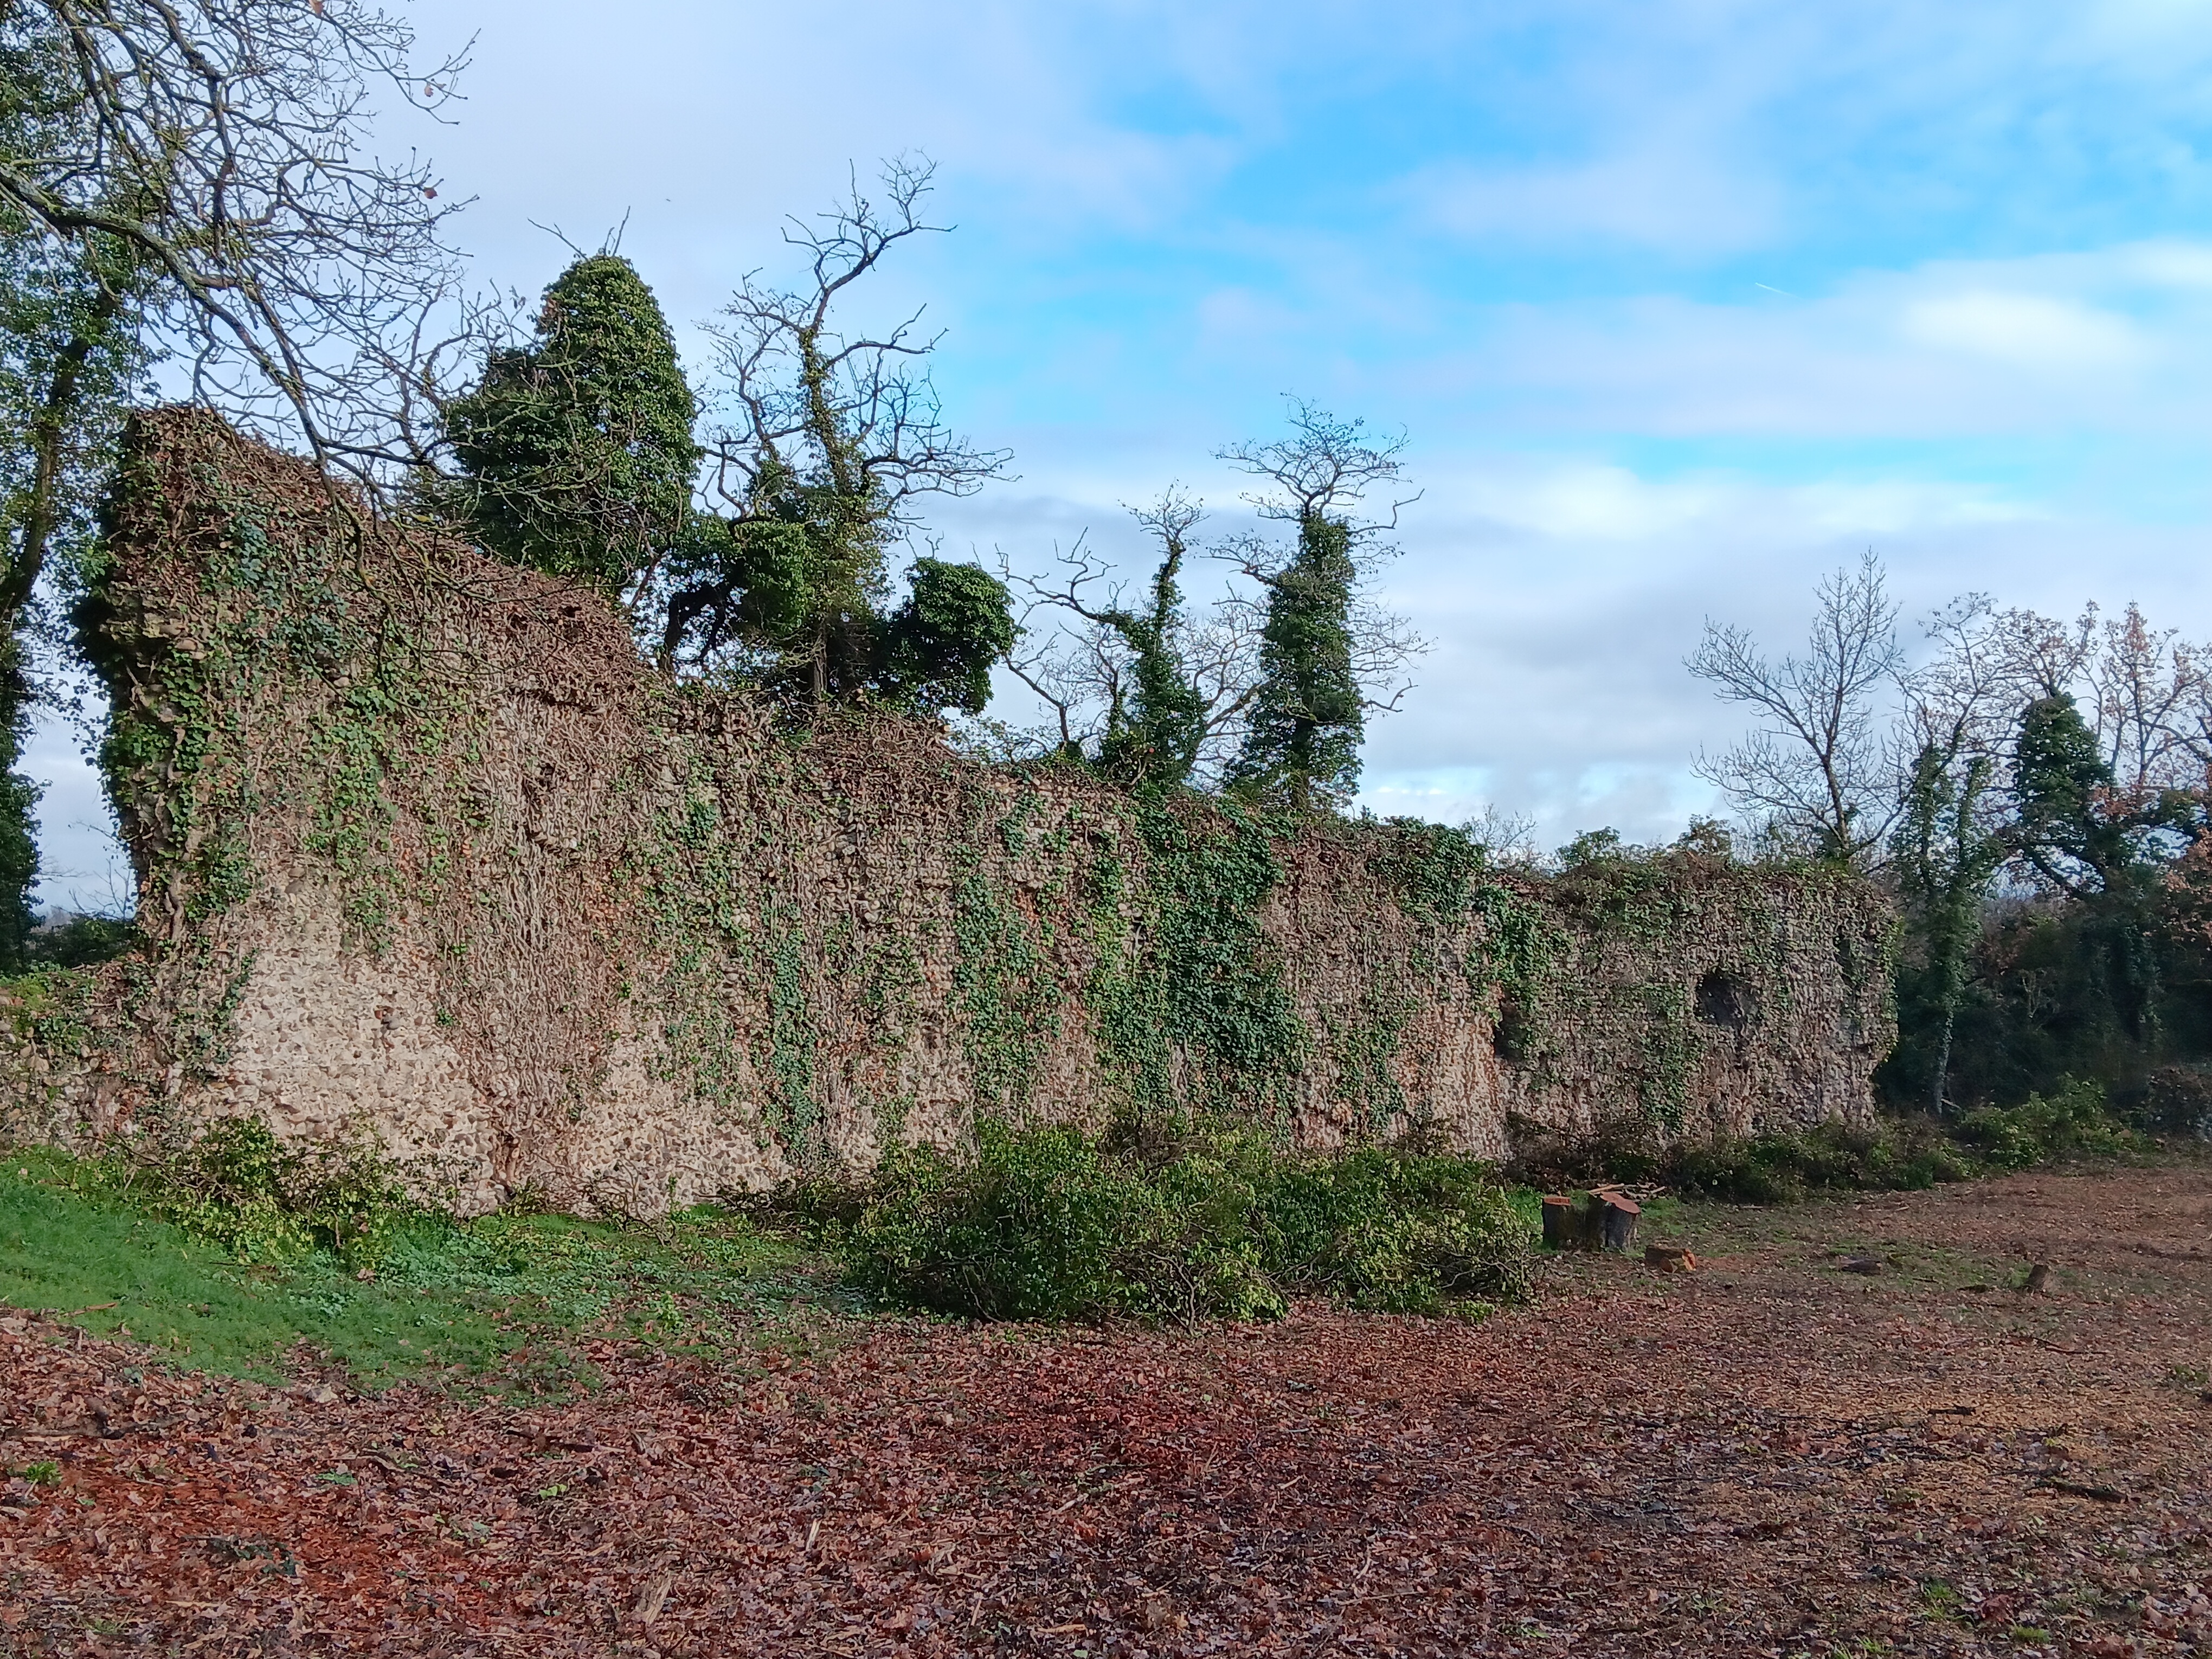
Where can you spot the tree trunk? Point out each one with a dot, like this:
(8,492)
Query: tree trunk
(1942,1063)
(1617,1217)
(50,430)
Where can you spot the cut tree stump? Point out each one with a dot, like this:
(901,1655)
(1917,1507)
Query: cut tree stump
(1670,1258)
(1603,1218)
(1617,1215)
(1560,1224)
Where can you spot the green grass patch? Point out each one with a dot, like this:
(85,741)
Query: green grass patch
(498,1302)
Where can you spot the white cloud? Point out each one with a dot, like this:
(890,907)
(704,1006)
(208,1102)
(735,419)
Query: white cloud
(1557,688)
(2029,331)
(2174,265)
(1594,503)
(2118,341)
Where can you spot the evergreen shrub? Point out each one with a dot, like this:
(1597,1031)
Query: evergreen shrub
(1047,1222)
(2073,1122)
(1778,1169)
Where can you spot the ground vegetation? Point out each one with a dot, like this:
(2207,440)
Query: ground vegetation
(1927,1458)
(1048,1224)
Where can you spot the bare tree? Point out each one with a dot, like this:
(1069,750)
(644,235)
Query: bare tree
(1154,691)
(302,281)
(2144,692)
(190,181)
(1817,770)
(826,439)
(1965,699)
(1507,838)
(1323,469)
(2147,689)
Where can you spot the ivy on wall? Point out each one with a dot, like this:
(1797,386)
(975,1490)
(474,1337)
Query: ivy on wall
(1195,1015)
(842,935)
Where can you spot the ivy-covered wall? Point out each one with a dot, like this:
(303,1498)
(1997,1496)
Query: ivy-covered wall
(426,849)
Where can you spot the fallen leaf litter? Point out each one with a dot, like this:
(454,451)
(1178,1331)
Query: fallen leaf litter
(1762,1457)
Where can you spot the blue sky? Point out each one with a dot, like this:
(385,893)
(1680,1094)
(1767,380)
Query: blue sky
(1680,302)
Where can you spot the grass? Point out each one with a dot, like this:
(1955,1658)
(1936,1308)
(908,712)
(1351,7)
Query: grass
(501,1302)
(242,1256)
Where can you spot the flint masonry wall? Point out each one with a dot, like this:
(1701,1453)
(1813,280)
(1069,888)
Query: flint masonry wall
(426,850)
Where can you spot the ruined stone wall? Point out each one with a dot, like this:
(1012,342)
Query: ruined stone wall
(425,849)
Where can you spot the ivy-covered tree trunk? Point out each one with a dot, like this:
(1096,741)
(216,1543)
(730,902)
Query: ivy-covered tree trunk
(1945,862)
(1152,739)
(19,844)
(1308,718)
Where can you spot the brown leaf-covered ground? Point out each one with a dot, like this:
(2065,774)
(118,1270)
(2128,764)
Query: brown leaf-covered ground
(1773,1455)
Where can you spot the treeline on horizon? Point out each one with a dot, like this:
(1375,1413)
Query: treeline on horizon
(195,200)
(2033,792)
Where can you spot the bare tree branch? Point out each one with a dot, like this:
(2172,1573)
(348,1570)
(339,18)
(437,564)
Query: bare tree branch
(1323,469)
(1816,768)
(225,141)
(798,392)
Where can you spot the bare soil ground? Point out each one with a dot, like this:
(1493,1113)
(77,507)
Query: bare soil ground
(1773,1455)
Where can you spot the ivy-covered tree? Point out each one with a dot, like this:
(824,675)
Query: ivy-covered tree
(576,450)
(734,589)
(1308,713)
(73,352)
(2102,847)
(832,437)
(939,646)
(1945,853)
(69,359)
(1155,730)
(1308,717)
(190,183)
(1162,689)
(2067,825)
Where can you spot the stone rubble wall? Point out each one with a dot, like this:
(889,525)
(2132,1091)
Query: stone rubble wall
(427,852)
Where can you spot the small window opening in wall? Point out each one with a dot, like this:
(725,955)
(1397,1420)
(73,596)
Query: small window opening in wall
(1513,1037)
(1724,999)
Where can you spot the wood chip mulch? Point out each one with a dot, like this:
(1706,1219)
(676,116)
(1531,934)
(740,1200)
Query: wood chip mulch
(1766,1457)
